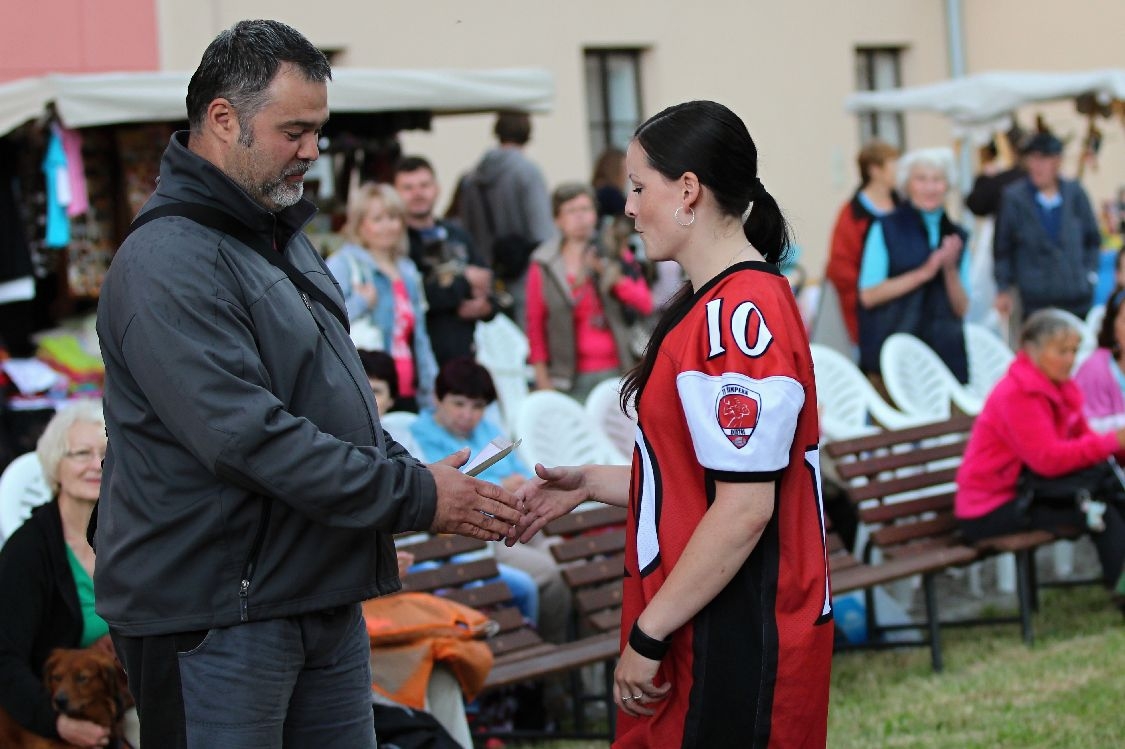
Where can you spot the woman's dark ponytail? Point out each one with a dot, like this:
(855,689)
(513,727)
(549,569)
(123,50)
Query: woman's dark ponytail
(767,229)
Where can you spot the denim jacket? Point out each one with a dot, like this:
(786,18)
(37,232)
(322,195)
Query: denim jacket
(351,257)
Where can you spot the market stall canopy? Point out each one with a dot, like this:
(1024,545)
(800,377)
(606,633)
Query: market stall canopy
(111,98)
(988,97)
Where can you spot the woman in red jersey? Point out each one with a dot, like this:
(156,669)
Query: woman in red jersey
(727,616)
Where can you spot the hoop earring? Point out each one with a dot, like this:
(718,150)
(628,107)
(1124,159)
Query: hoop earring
(676,216)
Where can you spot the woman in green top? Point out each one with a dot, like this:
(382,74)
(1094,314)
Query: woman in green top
(46,571)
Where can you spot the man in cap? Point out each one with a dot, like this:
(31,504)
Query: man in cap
(1047,239)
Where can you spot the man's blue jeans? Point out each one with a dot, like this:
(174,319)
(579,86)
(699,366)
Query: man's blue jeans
(301,682)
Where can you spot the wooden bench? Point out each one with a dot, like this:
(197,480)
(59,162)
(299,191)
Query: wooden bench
(592,557)
(902,485)
(520,654)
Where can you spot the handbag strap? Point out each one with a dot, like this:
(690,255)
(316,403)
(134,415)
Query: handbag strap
(223,222)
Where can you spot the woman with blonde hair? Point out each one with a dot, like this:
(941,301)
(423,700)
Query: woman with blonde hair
(383,290)
(46,579)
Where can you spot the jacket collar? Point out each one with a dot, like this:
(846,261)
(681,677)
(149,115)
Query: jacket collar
(188,177)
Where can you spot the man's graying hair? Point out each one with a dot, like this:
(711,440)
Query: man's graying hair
(242,61)
(1044,325)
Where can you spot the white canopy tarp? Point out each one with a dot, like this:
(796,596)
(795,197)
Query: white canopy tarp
(109,98)
(987,97)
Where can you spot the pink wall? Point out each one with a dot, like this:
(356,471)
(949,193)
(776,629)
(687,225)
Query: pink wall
(76,36)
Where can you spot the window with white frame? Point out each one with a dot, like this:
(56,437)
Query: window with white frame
(877,69)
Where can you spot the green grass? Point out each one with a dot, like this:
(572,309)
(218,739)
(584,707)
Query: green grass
(1066,691)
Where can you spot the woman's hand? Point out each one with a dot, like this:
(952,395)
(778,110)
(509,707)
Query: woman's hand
(404,560)
(553,493)
(81,733)
(950,251)
(367,292)
(633,689)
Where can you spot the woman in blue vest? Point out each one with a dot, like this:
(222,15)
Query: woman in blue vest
(914,274)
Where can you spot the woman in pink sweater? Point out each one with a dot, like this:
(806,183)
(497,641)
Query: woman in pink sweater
(1101,378)
(1033,420)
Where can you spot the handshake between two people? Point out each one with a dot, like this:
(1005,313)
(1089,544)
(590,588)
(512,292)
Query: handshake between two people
(478,509)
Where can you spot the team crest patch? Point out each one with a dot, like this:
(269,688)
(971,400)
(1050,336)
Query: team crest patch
(737,412)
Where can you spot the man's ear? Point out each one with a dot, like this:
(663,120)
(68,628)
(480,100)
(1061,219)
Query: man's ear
(221,120)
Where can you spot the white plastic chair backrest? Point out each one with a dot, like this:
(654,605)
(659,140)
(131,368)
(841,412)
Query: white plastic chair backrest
(502,349)
(397,424)
(556,431)
(1094,319)
(828,327)
(915,377)
(22,489)
(501,344)
(848,402)
(989,359)
(604,410)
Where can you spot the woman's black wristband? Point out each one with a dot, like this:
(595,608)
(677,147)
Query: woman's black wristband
(646,646)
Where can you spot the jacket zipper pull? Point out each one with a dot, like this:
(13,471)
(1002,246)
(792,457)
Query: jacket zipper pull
(243,603)
(305,299)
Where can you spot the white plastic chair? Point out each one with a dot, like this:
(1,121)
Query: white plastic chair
(556,431)
(397,424)
(502,349)
(1094,319)
(989,359)
(604,411)
(848,401)
(22,489)
(919,382)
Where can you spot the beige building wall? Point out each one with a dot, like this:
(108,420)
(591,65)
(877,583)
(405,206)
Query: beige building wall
(785,67)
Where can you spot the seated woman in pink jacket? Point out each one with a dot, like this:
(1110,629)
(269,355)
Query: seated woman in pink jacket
(1101,378)
(1033,419)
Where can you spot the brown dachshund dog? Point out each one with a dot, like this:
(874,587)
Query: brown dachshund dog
(84,684)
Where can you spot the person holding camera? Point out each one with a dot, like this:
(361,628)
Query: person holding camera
(457,282)
(578,301)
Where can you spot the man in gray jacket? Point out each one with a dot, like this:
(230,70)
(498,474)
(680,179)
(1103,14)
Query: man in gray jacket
(505,205)
(1047,238)
(249,492)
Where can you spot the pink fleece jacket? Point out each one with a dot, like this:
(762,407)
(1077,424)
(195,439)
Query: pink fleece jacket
(1027,420)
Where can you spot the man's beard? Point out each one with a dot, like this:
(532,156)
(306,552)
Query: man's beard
(281,193)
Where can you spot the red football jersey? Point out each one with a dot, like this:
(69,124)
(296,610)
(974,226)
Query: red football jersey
(731,398)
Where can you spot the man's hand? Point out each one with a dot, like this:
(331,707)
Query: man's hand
(1003,303)
(474,308)
(480,279)
(470,507)
(553,493)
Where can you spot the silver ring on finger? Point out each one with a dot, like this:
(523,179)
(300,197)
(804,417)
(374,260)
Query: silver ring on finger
(626,699)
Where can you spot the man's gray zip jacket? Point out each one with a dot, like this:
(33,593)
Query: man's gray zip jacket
(247,475)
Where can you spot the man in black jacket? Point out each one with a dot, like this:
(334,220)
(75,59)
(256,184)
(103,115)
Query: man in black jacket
(249,493)
(458,285)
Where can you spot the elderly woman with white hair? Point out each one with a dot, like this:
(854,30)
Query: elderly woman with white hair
(913,277)
(46,577)
(1031,449)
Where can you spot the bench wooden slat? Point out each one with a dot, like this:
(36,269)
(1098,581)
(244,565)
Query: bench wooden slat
(594,572)
(594,599)
(514,641)
(887,513)
(589,545)
(892,535)
(451,575)
(895,461)
(880,489)
(441,547)
(561,658)
(606,620)
(481,596)
(883,439)
(579,522)
(867,575)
